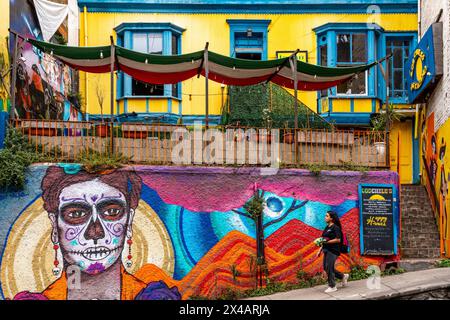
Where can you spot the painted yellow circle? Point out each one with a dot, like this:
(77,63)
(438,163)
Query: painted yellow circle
(377,197)
(419,70)
(27,261)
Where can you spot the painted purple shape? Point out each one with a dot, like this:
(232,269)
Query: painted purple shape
(26,295)
(159,291)
(224,189)
(96,268)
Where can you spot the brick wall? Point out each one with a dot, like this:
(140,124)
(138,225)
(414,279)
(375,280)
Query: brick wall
(440,100)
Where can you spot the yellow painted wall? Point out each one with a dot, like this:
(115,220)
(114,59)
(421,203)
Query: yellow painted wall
(341,105)
(4,25)
(362,105)
(405,130)
(441,185)
(286,32)
(438,188)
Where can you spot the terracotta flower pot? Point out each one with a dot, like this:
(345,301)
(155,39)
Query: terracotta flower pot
(135,134)
(47,132)
(264,138)
(102,130)
(288,138)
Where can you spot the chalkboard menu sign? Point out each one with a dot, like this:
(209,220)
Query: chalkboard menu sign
(378,219)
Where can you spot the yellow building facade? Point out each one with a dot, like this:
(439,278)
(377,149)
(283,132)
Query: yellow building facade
(325,33)
(285,32)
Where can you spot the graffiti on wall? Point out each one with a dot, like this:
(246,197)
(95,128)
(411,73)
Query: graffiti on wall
(163,233)
(43,83)
(436,166)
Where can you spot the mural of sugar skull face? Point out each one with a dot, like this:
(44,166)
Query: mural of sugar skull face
(91,216)
(92,224)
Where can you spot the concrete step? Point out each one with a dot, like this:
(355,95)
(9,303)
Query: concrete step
(417,264)
(420,253)
(420,236)
(408,228)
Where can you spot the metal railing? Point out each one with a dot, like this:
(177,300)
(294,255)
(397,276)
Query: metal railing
(160,144)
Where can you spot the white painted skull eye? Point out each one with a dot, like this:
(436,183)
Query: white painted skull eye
(77,214)
(112,212)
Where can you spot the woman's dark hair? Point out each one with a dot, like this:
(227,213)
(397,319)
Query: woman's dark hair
(334,216)
(55,180)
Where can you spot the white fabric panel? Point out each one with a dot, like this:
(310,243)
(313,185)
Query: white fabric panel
(51,15)
(74,23)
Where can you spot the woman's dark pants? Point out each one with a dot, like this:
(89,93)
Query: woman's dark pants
(329,259)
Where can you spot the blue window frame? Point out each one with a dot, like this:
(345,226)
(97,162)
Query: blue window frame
(248,39)
(351,50)
(155,38)
(148,42)
(400,48)
(349,44)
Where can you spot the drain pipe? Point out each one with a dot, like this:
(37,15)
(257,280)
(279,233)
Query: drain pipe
(86,82)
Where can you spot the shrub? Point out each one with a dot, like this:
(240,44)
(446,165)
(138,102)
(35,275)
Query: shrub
(443,263)
(357,272)
(392,271)
(255,206)
(230,294)
(15,158)
(95,161)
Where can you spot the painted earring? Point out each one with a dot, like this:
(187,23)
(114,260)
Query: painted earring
(129,263)
(56,269)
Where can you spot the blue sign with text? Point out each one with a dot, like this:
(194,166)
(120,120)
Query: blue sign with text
(424,66)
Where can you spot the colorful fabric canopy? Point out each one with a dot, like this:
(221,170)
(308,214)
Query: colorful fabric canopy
(160,69)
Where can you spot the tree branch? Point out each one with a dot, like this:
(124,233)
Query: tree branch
(294,206)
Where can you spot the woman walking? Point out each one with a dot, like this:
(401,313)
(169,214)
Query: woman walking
(331,250)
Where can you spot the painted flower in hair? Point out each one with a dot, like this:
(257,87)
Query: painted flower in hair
(159,291)
(26,295)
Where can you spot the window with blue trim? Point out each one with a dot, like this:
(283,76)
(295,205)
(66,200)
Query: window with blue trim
(323,60)
(152,38)
(152,43)
(351,50)
(249,45)
(248,39)
(400,49)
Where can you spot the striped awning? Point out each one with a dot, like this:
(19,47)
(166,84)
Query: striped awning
(161,69)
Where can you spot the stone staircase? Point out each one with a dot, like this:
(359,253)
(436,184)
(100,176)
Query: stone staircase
(420,235)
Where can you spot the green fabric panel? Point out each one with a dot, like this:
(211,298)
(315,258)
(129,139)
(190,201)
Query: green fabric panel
(157,58)
(242,63)
(79,53)
(320,71)
(92,53)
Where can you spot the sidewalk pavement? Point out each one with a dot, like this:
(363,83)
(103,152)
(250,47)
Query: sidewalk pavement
(391,286)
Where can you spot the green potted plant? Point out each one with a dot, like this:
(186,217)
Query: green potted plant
(381,125)
(267,119)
